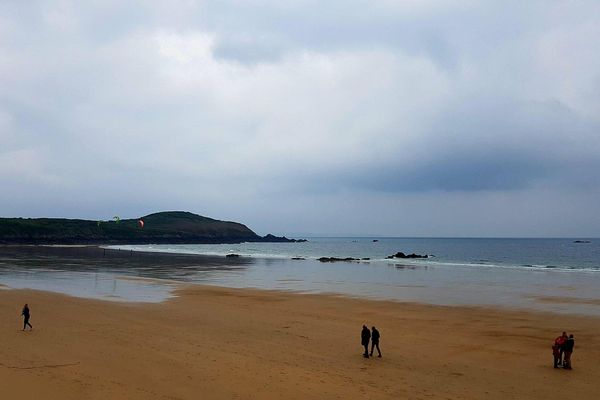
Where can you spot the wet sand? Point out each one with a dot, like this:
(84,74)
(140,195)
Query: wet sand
(217,343)
(94,257)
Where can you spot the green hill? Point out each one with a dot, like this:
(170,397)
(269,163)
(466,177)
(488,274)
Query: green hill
(163,227)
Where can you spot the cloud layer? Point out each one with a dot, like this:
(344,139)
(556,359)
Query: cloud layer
(398,118)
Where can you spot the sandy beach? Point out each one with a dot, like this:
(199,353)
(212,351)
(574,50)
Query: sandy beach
(218,343)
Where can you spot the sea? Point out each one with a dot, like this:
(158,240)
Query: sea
(560,275)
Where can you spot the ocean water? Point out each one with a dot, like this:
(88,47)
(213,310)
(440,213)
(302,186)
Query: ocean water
(537,254)
(555,275)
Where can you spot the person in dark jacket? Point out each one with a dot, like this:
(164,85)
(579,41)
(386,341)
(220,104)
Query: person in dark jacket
(568,350)
(26,316)
(365,336)
(375,340)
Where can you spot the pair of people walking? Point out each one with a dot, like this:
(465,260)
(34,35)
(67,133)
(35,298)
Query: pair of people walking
(562,349)
(373,336)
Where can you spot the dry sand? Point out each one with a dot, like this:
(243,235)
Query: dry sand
(215,343)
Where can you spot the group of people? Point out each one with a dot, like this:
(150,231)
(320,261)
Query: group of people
(562,350)
(373,336)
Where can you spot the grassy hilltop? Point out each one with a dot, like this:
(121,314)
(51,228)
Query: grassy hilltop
(162,227)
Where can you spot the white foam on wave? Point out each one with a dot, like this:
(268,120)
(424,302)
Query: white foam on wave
(529,267)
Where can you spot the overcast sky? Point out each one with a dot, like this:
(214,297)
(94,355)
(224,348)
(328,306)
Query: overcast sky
(409,118)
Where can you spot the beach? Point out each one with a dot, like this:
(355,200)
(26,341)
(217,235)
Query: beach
(223,343)
(222,200)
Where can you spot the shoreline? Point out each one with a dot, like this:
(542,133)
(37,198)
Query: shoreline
(248,343)
(97,272)
(179,288)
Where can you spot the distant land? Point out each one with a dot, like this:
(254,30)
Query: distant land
(169,227)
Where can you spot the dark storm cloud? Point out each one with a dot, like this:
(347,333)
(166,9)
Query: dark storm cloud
(481,145)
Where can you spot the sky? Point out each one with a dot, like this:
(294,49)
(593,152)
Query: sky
(344,117)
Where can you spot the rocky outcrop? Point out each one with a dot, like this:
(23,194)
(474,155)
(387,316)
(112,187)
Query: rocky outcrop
(335,259)
(279,239)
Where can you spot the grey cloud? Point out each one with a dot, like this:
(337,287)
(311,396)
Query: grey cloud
(232,109)
(469,172)
(471,146)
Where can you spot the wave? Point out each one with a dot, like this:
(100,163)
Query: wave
(252,253)
(530,267)
(183,250)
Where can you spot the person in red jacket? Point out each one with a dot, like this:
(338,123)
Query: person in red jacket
(557,349)
(556,352)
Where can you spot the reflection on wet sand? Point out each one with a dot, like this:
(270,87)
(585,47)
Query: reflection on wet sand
(103,273)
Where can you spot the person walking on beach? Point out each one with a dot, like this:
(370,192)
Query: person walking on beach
(26,316)
(375,341)
(365,336)
(568,350)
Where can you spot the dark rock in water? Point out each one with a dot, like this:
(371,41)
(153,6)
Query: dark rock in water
(365,258)
(402,255)
(334,259)
(375,240)
(232,255)
(298,258)
(582,241)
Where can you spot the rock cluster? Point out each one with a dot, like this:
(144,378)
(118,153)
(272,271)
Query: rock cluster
(402,255)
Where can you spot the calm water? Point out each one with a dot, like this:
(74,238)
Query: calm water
(542,254)
(542,274)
